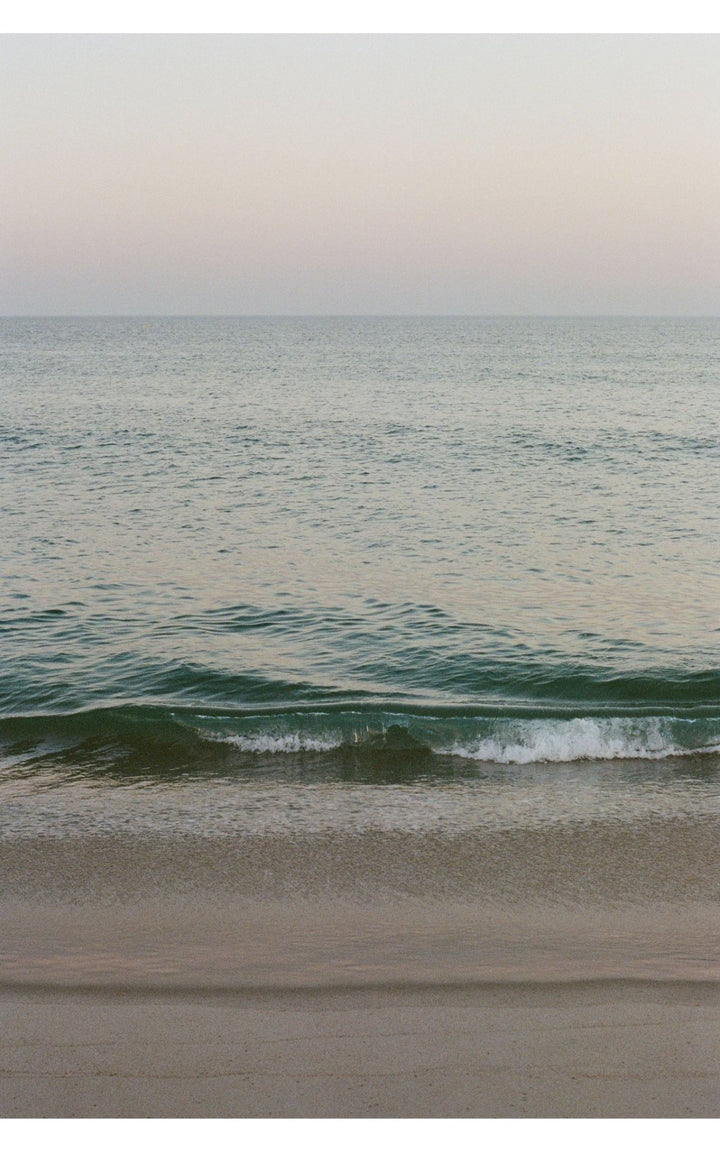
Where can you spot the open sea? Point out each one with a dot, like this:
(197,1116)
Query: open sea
(270,575)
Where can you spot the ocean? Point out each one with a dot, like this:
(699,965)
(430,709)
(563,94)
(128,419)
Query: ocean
(376,581)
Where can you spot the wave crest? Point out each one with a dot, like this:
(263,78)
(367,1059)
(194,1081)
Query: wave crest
(496,740)
(155,739)
(581,738)
(263,742)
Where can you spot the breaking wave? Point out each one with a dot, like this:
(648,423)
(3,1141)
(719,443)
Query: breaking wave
(153,740)
(587,738)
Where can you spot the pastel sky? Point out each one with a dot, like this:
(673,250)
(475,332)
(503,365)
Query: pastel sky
(247,174)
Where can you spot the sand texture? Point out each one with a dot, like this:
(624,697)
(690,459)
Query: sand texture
(586,1050)
(271,978)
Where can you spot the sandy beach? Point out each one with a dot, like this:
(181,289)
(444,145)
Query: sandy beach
(603,1049)
(320,976)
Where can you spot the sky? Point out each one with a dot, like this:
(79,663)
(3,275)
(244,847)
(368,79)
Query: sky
(360,174)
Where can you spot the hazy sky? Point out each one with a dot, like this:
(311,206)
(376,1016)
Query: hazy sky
(360,174)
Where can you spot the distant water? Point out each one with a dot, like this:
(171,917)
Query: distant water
(247,559)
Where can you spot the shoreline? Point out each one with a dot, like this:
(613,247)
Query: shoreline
(671,988)
(605,860)
(591,901)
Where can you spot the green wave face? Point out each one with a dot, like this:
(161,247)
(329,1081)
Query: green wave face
(156,743)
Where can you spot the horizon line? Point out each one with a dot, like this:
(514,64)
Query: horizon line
(359,316)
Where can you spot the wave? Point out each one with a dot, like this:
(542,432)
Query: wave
(415,665)
(588,738)
(150,741)
(499,740)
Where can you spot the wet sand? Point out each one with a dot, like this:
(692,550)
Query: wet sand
(605,1049)
(567,972)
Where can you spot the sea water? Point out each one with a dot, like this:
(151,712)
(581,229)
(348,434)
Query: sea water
(301,574)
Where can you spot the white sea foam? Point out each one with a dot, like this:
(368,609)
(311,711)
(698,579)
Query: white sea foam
(291,742)
(583,738)
(502,741)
